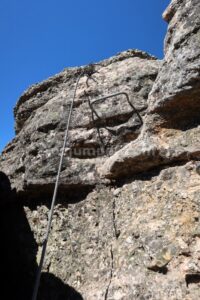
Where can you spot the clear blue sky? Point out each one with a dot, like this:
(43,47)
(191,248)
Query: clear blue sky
(41,37)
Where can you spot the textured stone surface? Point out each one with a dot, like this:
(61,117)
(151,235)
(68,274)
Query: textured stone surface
(137,237)
(167,147)
(31,160)
(175,95)
(171,127)
(126,225)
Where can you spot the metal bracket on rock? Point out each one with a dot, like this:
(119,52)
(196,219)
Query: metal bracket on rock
(89,71)
(114,95)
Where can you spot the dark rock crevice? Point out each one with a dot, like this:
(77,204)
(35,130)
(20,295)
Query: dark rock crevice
(111,273)
(192,279)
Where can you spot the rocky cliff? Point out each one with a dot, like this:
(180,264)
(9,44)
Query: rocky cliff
(126,223)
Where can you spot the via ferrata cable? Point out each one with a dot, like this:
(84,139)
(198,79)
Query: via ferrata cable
(44,246)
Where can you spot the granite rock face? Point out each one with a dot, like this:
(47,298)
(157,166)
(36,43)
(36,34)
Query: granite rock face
(126,223)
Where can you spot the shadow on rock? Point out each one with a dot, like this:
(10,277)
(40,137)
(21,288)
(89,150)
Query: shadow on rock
(18,254)
(18,251)
(56,289)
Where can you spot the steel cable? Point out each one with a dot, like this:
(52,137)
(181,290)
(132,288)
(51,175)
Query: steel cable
(44,247)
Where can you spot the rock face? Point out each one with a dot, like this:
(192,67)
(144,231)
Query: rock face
(126,225)
(170,133)
(138,241)
(31,160)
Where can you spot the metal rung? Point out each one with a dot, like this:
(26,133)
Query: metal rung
(111,96)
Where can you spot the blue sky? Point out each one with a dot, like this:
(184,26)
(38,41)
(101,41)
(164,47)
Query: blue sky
(41,37)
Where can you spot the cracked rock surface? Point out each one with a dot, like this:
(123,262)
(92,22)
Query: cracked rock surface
(151,225)
(126,223)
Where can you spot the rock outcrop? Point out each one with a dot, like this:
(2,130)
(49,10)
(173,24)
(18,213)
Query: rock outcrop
(31,160)
(171,132)
(126,224)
